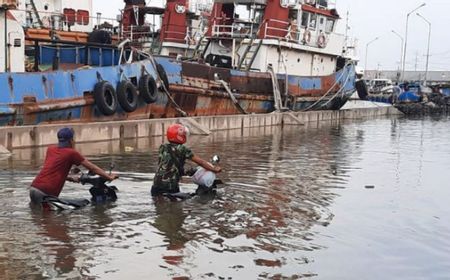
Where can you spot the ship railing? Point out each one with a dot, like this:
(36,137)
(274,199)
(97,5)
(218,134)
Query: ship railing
(238,29)
(60,52)
(58,20)
(201,7)
(292,32)
(139,33)
(323,4)
(276,29)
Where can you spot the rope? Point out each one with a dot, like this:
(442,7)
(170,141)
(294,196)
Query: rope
(232,97)
(341,90)
(331,88)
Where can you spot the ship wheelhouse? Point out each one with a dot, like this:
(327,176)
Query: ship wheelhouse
(296,37)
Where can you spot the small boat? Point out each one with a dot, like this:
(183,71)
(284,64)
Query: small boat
(383,90)
(417,99)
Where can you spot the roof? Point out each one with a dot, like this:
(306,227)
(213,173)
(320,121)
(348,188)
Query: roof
(436,76)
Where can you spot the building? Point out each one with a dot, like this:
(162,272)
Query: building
(433,76)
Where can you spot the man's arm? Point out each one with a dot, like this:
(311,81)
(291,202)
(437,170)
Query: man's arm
(208,166)
(97,170)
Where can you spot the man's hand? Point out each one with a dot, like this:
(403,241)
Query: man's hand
(97,170)
(207,165)
(112,177)
(73,178)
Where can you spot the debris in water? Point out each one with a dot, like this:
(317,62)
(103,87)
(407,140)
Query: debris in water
(269,263)
(129,149)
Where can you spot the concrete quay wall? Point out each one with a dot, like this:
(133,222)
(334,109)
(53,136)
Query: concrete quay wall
(42,135)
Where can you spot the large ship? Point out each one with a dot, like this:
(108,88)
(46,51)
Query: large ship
(236,57)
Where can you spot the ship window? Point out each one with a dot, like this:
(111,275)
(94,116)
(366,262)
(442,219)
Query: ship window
(305,18)
(313,22)
(70,16)
(322,20)
(330,26)
(83,17)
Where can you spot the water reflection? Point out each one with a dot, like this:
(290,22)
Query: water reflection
(56,241)
(169,222)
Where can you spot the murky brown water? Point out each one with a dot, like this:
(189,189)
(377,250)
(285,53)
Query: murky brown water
(295,204)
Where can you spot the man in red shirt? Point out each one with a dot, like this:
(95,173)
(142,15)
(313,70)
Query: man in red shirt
(58,162)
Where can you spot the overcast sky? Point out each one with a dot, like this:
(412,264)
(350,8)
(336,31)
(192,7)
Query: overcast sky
(376,18)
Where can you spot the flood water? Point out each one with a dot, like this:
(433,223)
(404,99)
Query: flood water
(366,199)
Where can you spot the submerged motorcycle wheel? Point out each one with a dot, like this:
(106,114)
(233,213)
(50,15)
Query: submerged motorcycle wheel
(103,194)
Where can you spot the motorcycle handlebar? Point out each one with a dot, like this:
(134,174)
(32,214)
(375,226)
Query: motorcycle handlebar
(92,180)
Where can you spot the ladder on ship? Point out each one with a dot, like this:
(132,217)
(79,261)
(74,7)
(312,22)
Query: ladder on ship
(201,46)
(35,13)
(249,55)
(276,89)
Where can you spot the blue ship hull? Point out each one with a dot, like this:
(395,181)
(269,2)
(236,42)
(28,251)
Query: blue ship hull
(67,95)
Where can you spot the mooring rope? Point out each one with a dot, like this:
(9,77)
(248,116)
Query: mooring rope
(163,85)
(331,88)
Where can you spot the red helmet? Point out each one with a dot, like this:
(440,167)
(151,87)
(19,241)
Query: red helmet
(177,133)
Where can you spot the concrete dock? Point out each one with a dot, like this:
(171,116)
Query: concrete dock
(41,135)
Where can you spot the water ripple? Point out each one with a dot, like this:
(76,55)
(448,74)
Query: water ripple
(294,203)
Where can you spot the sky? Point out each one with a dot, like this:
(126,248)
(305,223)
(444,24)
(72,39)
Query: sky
(369,19)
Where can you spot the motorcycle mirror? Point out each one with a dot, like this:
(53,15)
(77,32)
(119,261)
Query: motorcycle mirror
(111,167)
(215,159)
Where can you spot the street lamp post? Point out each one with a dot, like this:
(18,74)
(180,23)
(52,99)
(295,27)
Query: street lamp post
(406,38)
(401,53)
(428,48)
(367,50)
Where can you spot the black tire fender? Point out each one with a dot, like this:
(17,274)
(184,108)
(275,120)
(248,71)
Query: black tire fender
(127,96)
(148,89)
(361,88)
(105,98)
(100,37)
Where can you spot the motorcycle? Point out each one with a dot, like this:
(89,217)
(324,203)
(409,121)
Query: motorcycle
(100,192)
(205,180)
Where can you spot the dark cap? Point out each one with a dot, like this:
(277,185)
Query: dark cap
(65,135)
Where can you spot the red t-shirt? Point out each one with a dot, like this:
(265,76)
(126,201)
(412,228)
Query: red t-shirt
(58,162)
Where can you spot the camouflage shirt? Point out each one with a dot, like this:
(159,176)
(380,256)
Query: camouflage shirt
(170,165)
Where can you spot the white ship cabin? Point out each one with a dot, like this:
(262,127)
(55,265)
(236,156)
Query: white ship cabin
(67,15)
(297,37)
(36,16)
(12,39)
